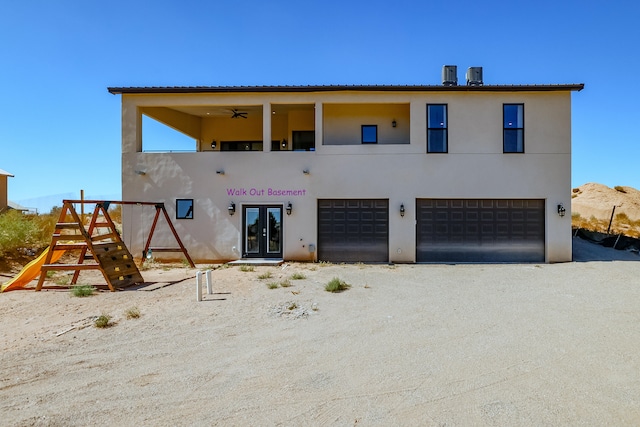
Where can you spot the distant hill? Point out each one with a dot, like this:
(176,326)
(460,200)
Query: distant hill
(598,200)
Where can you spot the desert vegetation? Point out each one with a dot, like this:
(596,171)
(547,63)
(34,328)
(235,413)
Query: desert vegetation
(621,224)
(103,321)
(593,205)
(620,188)
(336,285)
(82,290)
(23,236)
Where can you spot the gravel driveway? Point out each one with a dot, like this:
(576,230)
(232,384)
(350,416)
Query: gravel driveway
(411,345)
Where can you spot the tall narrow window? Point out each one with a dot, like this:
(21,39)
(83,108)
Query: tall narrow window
(437,128)
(513,139)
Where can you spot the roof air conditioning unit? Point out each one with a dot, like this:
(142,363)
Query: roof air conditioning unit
(450,75)
(474,76)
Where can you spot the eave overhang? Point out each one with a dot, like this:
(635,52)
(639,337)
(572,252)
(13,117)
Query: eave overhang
(344,88)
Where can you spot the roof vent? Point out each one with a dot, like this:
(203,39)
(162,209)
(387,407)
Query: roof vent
(450,75)
(474,76)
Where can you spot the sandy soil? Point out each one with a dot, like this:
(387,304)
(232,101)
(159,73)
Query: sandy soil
(406,345)
(598,200)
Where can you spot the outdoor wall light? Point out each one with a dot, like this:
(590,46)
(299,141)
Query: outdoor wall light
(305,171)
(284,143)
(213,144)
(140,172)
(232,208)
(561,210)
(402,210)
(220,171)
(289,208)
(394,123)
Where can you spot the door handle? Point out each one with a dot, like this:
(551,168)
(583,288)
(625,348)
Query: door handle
(264,232)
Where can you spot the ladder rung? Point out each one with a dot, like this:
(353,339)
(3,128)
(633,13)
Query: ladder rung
(68,237)
(70,267)
(69,246)
(165,249)
(104,237)
(67,225)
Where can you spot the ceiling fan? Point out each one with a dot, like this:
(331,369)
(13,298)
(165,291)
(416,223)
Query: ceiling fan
(235,114)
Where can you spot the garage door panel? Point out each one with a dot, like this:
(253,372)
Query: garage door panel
(480,230)
(359,230)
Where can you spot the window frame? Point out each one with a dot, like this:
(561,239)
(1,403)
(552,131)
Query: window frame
(297,145)
(519,130)
(189,210)
(362,130)
(244,146)
(445,128)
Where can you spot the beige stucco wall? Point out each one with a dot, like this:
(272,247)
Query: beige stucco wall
(342,123)
(475,167)
(4,192)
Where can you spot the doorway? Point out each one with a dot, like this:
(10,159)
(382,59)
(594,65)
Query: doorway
(262,231)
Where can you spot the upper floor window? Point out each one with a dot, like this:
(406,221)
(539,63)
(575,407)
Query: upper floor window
(437,128)
(369,134)
(304,140)
(241,146)
(513,136)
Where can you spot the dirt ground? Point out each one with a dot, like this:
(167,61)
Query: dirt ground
(405,345)
(593,199)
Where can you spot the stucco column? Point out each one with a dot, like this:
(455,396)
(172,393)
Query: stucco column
(418,119)
(266,126)
(318,125)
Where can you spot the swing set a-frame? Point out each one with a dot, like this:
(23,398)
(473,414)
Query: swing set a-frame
(100,245)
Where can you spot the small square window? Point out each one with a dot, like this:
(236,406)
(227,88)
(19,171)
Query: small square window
(369,134)
(184,209)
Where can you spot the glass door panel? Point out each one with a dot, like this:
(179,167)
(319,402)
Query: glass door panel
(252,230)
(274,241)
(262,231)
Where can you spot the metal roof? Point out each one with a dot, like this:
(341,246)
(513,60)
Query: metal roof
(4,172)
(342,88)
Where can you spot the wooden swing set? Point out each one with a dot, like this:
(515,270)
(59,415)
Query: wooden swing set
(100,245)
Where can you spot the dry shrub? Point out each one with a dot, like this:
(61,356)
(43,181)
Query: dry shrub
(620,189)
(621,224)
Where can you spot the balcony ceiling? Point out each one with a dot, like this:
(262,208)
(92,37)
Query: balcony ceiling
(228,110)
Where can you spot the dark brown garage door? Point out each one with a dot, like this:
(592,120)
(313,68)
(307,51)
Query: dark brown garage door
(353,230)
(480,230)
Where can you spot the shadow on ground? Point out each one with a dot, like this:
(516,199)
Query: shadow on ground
(584,251)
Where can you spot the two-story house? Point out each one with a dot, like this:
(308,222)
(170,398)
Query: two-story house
(428,173)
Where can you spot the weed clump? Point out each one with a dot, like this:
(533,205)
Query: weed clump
(247,268)
(82,290)
(298,276)
(265,275)
(285,283)
(103,321)
(336,285)
(273,285)
(132,313)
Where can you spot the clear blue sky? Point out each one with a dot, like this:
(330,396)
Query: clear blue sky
(60,128)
